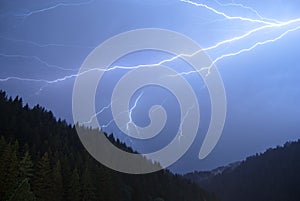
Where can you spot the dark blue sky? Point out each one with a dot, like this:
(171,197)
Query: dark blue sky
(50,39)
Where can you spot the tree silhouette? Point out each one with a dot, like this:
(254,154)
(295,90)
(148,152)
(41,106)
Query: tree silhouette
(43,183)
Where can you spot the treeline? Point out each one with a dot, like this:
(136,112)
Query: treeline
(273,175)
(41,158)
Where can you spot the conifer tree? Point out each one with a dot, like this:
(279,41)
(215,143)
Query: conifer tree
(73,188)
(8,172)
(43,183)
(88,189)
(26,167)
(22,192)
(58,182)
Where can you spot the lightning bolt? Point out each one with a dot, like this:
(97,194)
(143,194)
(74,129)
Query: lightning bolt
(22,79)
(107,125)
(208,68)
(130,122)
(130,114)
(44,45)
(175,57)
(247,8)
(37,59)
(266,24)
(97,114)
(183,119)
(225,15)
(25,15)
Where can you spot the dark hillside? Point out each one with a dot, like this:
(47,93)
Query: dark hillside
(43,159)
(273,175)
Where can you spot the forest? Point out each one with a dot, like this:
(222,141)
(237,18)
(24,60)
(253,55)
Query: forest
(272,175)
(43,159)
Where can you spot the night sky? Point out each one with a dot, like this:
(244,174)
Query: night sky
(48,40)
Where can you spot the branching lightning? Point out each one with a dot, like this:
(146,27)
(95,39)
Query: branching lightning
(262,22)
(97,114)
(130,122)
(225,15)
(240,52)
(112,120)
(234,39)
(282,24)
(247,8)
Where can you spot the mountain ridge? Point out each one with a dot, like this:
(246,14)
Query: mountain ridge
(271,175)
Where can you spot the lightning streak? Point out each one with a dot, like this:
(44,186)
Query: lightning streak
(108,124)
(98,113)
(53,7)
(182,121)
(37,59)
(44,45)
(256,44)
(163,61)
(22,79)
(266,25)
(247,8)
(225,15)
(130,122)
(208,68)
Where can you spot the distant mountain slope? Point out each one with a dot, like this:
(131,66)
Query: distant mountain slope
(200,176)
(42,159)
(273,175)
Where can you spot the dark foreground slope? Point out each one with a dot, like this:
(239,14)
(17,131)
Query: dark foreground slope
(273,175)
(43,159)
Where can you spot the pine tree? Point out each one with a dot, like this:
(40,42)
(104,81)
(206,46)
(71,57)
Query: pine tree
(88,189)
(15,148)
(43,180)
(73,189)
(66,173)
(23,192)
(26,167)
(107,185)
(8,172)
(58,182)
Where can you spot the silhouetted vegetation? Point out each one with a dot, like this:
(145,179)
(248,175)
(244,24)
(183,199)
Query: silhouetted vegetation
(273,175)
(42,159)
